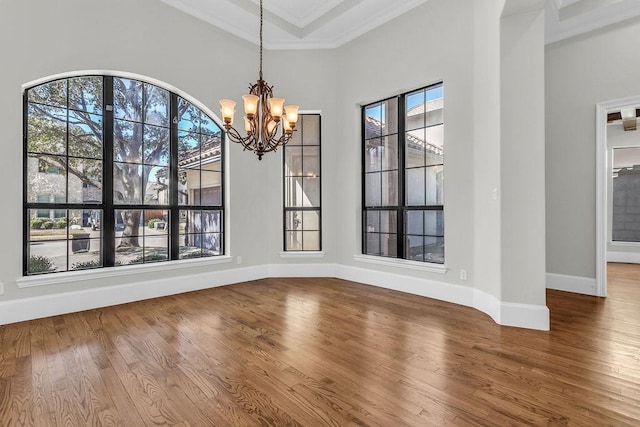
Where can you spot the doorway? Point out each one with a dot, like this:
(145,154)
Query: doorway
(603,185)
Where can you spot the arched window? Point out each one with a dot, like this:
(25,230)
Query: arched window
(118,171)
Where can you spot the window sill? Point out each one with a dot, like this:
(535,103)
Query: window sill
(105,273)
(402,263)
(302,254)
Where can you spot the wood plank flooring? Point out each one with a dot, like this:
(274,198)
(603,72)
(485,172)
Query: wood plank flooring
(315,352)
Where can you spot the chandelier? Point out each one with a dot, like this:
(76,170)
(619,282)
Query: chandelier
(268,123)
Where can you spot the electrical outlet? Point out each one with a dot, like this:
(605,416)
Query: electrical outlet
(463,274)
(239,260)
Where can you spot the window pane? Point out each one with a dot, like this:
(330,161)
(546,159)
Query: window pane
(127,141)
(52,93)
(434,223)
(373,155)
(435,142)
(85,181)
(310,240)
(85,94)
(156,107)
(293,161)
(415,187)
(373,221)
(311,188)
(414,151)
(293,240)
(208,126)
(311,129)
(390,117)
(415,222)
(373,189)
(127,99)
(389,188)
(156,145)
(311,161)
(47,256)
(156,189)
(389,245)
(372,244)
(46,129)
(311,220)
(390,152)
(373,121)
(434,249)
(415,110)
(388,221)
(293,220)
(415,247)
(434,185)
(46,176)
(85,135)
(127,183)
(156,247)
(188,116)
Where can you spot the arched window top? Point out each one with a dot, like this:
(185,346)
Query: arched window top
(115,153)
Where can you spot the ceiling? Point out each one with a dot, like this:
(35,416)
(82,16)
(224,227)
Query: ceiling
(315,24)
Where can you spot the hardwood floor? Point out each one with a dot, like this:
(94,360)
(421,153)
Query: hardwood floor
(315,352)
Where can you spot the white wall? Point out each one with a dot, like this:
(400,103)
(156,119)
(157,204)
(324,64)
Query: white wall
(581,72)
(414,50)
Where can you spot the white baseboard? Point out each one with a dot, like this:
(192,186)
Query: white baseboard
(628,257)
(504,313)
(577,284)
(18,310)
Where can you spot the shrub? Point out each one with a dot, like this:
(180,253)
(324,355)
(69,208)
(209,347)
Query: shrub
(40,264)
(61,223)
(86,265)
(48,224)
(36,223)
(148,258)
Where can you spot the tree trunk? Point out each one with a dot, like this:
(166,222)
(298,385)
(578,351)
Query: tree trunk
(131,220)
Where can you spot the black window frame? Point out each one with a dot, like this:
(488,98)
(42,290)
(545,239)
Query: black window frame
(401,208)
(107,205)
(287,209)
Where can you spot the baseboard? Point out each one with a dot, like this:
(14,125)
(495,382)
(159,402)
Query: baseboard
(508,314)
(504,313)
(627,257)
(19,310)
(577,284)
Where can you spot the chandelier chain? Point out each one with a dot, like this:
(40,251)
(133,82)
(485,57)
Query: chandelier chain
(260,39)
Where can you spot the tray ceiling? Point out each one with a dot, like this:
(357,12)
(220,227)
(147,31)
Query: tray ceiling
(314,24)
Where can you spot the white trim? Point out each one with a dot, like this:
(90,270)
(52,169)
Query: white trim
(624,244)
(402,263)
(301,270)
(626,257)
(577,284)
(125,270)
(602,109)
(68,302)
(301,254)
(504,313)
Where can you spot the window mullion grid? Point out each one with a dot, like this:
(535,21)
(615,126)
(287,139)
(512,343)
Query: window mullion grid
(108,212)
(174,208)
(401,178)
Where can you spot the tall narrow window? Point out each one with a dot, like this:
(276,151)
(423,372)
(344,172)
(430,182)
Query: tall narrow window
(403,163)
(118,171)
(302,215)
